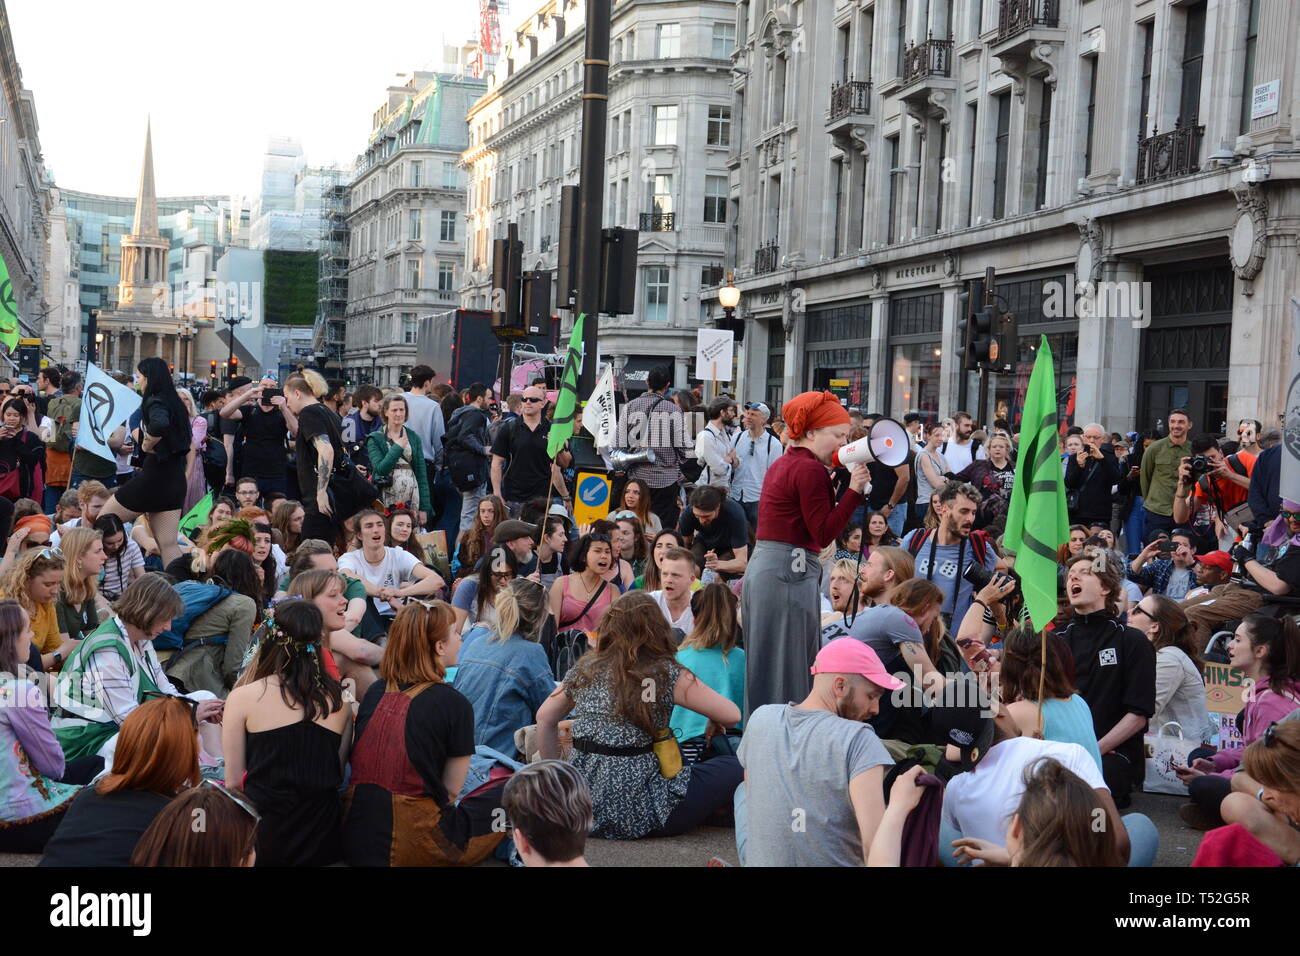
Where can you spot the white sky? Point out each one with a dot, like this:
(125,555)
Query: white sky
(218,79)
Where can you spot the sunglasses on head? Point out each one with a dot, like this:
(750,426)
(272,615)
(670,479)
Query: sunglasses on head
(600,537)
(48,553)
(1270,736)
(193,705)
(235,798)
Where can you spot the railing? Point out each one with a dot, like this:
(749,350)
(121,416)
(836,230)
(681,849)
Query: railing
(849,98)
(766,258)
(1017,16)
(1169,155)
(931,58)
(658,222)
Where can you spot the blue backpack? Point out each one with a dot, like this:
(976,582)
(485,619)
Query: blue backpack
(198,597)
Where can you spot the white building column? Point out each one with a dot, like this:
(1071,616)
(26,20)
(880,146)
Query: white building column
(1262,339)
(1107,385)
(878,370)
(950,370)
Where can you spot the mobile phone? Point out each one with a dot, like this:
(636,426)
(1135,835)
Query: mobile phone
(270,393)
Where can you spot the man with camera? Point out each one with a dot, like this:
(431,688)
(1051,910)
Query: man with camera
(1211,485)
(1090,475)
(943,555)
(265,424)
(1173,572)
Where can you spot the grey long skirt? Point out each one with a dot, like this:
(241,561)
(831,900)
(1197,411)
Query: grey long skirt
(781,615)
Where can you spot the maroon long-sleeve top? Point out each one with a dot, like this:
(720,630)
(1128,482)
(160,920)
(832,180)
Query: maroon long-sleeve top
(798,506)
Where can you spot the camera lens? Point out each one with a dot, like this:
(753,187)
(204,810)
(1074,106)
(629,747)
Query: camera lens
(977,575)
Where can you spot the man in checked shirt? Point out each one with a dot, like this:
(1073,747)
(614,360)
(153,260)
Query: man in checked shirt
(654,421)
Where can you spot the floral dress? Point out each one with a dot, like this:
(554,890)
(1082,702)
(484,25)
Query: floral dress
(630,798)
(404,489)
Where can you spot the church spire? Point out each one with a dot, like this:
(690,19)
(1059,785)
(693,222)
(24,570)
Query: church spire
(146,201)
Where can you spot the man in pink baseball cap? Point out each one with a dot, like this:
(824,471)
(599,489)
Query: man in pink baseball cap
(818,769)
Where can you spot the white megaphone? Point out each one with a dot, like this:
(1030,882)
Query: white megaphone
(887,443)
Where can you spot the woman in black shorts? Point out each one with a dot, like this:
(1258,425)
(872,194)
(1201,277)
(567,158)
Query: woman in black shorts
(158,488)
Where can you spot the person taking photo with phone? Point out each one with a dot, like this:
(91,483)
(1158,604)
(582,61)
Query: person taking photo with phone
(1167,565)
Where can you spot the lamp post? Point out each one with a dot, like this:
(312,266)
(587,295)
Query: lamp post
(729,298)
(185,332)
(233,320)
(374,363)
(99,343)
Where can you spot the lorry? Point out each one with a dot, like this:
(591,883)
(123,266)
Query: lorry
(460,347)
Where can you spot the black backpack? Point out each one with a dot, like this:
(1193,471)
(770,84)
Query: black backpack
(214,449)
(466,467)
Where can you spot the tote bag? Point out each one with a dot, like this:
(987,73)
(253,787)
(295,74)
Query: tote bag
(1162,753)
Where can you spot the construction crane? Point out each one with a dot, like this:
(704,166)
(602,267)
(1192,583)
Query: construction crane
(489,35)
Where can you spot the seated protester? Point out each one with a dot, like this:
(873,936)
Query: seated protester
(267,556)
(389,574)
(581,598)
(505,675)
(68,508)
(157,757)
(1266,650)
(629,540)
(1132,593)
(619,576)
(227,837)
(223,509)
(551,560)
(710,652)
(414,739)
(1054,824)
(1173,576)
(249,537)
(1180,686)
(921,600)
(34,581)
(615,725)
(354,657)
(676,573)
(91,496)
(1265,801)
(246,493)
(37,784)
(1212,570)
(1062,715)
(636,499)
(475,599)
(841,599)
(314,554)
(1115,672)
(548,805)
(115,668)
(519,537)
(476,540)
(286,735)
(30,533)
(817,761)
(215,625)
(664,542)
(401,532)
(943,554)
(78,606)
(125,560)
(717,531)
(987,758)
(1202,504)
(286,521)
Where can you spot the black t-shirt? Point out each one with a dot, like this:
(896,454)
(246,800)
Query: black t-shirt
(729,530)
(315,420)
(263,435)
(1115,672)
(439,727)
(883,482)
(1287,567)
(528,467)
(102,830)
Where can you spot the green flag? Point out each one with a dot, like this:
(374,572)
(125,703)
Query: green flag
(567,400)
(8,311)
(197,516)
(1037,522)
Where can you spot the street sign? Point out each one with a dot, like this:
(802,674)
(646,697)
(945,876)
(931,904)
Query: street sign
(592,497)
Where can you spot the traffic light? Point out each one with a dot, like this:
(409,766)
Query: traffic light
(1006,335)
(566,260)
(507,272)
(234,367)
(975,332)
(537,303)
(212,369)
(618,271)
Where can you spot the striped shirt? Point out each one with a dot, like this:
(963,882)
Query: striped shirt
(653,421)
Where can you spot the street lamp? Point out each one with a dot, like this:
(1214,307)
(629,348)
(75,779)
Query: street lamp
(233,321)
(729,298)
(99,343)
(185,332)
(374,363)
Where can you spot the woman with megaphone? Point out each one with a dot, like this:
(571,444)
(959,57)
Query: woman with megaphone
(797,517)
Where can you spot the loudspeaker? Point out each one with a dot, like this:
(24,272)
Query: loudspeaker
(887,443)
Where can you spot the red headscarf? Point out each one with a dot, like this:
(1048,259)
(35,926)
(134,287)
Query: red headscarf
(37,523)
(813,410)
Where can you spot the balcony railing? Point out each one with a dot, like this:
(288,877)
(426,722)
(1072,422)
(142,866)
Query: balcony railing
(1169,155)
(931,58)
(766,258)
(1017,16)
(658,222)
(852,97)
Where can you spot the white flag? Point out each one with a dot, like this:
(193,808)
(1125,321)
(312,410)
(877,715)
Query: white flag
(104,406)
(598,416)
(1289,483)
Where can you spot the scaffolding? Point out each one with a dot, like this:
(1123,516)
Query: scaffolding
(332,281)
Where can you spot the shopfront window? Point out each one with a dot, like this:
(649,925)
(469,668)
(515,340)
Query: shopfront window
(914,378)
(842,371)
(1009,389)
(839,351)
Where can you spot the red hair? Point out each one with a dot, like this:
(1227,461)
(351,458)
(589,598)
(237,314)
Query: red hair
(157,750)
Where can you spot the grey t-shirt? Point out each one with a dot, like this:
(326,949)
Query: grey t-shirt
(949,561)
(883,627)
(1180,582)
(799,764)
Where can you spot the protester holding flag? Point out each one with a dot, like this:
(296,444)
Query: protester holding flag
(797,517)
(158,489)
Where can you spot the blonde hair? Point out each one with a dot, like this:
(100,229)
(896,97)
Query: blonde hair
(31,564)
(308,380)
(92,489)
(77,588)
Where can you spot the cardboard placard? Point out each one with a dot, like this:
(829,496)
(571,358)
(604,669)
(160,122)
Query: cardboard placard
(1224,689)
(434,546)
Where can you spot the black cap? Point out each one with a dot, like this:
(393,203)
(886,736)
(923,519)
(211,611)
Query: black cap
(966,727)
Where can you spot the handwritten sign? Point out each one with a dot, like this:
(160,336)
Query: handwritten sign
(714,349)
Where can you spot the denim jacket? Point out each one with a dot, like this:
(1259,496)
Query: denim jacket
(505,681)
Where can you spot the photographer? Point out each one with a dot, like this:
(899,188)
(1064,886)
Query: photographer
(1209,486)
(1091,474)
(1174,573)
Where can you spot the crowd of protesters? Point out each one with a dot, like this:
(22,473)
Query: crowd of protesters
(832,661)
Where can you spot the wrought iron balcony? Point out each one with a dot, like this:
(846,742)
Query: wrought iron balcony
(850,98)
(931,58)
(1017,16)
(658,222)
(766,258)
(1170,154)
